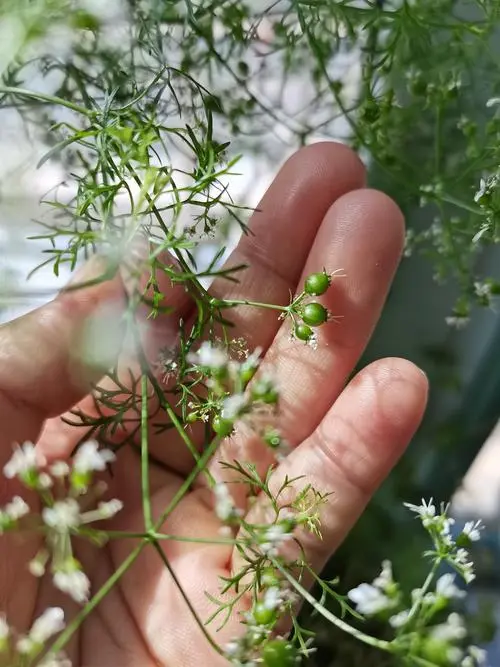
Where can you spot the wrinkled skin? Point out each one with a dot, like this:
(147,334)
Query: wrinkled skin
(345,439)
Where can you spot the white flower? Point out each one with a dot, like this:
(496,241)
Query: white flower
(445,587)
(273,537)
(482,289)
(59,469)
(273,598)
(63,515)
(472,530)
(44,481)
(90,458)
(224,505)
(477,656)
(465,566)
(233,406)
(369,599)
(17,508)
(22,461)
(426,511)
(45,626)
(73,582)
(210,356)
(452,630)
(399,619)
(385,578)
(108,509)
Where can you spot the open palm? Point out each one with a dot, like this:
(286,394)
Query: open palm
(344,439)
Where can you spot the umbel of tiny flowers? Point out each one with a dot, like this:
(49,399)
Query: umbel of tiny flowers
(438,524)
(438,643)
(64,489)
(233,392)
(24,649)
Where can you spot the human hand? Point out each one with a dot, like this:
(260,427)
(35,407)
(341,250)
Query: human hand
(345,439)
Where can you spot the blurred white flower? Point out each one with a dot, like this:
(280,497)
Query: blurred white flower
(472,530)
(445,587)
(22,461)
(63,516)
(74,582)
(89,458)
(50,623)
(369,599)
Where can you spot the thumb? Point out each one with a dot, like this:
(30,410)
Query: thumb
(43,368)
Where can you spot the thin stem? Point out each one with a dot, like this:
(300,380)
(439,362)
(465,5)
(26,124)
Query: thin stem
(68,632)
(49,99)
(423,591)
(121,534)
(230,303)
(339,623)
(146,496)
(200,465)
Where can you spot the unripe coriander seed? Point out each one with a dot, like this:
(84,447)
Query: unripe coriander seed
(303,332)
(221,426)
(263,615)
(314,314)
(317,284)
(279,653)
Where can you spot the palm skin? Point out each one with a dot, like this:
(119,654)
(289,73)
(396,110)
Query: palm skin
(345,439)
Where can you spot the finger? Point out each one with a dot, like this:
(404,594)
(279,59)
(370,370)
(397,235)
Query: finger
(43,363)
(362,233)
(282,231)
(353,449)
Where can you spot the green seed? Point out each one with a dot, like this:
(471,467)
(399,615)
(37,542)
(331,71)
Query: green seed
(314,314)
(279,653)
(303,332)
(317,284)
(221,426)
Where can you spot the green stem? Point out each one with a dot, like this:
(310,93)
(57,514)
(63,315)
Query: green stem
(42,97)
(423,591)
(339,623)
(146,497)
(66,635)
(231,303)
(120,535)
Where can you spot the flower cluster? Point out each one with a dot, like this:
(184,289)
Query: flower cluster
(438,524)
(24,649)
(438,642)
(64,490)
(234,393)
